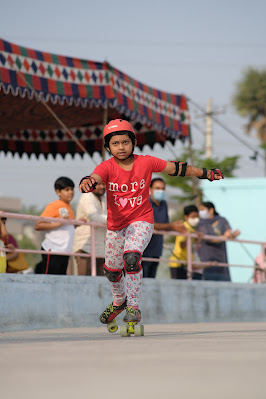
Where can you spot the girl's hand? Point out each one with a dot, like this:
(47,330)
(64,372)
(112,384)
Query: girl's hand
(214,174)
(87,184)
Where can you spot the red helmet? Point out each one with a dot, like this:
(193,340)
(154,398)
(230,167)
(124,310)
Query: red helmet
(118,125)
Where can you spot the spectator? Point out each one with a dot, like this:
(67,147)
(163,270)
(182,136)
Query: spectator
(91,208)
(161,222)
(59,236)
(15,260)
(259,275)
(213,250)
(179,270)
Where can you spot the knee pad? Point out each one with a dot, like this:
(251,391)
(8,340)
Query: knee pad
(113,275)
(132,261)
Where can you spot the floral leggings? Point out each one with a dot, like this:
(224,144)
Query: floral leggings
(134,237)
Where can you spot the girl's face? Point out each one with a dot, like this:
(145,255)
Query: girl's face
(121,146)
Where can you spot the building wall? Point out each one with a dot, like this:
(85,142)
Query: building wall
(242,203)
(13,205)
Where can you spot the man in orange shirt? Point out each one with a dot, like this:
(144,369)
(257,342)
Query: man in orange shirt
(59,237)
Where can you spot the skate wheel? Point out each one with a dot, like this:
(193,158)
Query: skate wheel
(112,327)
(139,330)
(124,331)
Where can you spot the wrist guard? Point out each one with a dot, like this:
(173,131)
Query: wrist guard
(204,174)
(93,186)
(214,172)
(183,169)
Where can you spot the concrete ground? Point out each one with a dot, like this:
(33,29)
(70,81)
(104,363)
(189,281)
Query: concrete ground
(226,360)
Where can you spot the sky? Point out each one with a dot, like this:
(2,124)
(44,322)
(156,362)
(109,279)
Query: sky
(196,48)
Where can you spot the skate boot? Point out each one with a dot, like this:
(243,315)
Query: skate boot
(132,315)
(111,312)
(132,318)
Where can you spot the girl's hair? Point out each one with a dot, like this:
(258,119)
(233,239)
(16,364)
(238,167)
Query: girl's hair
(109,136)
(210,205)
(63,182)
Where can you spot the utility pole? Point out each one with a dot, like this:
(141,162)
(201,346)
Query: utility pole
(209,131)
(195,186)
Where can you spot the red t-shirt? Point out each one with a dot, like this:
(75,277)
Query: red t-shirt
(128,191)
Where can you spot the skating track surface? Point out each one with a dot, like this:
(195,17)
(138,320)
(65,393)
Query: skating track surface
(214,360)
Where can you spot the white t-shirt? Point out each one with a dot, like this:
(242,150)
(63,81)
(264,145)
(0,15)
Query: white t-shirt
(61,238)
(91,209)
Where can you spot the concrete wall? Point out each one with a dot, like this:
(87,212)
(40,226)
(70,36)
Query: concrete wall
(41,302)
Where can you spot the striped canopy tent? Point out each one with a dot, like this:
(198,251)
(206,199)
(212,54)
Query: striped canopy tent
(52,104)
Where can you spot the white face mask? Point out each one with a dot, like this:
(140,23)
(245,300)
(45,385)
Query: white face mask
(193,221)
(159,195)
(204,214)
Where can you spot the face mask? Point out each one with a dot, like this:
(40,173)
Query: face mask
(159,195)
(193,221)
(204,214)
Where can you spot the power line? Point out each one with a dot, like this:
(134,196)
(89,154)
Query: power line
(138,43)
(230,131)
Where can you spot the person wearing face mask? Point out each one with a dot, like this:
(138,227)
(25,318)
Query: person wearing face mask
(179,270)
(161,222)
(211,223)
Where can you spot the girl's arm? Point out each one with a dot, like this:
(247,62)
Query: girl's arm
(183,169)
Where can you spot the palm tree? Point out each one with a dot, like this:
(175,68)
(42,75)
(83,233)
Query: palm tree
(250,101)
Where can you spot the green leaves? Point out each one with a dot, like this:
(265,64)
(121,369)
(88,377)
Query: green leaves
(250,100)
(189,188)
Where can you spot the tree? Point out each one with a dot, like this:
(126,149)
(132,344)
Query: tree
(31,210)
(250,101)
(26,243)
(190,188)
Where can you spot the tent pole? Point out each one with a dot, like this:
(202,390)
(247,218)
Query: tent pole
(105,116)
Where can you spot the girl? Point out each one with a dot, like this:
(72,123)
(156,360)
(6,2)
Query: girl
(129,212)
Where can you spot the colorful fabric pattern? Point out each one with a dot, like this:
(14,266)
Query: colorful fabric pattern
(27,75)
(134,237)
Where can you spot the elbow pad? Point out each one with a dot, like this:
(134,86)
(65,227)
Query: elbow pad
(183,169)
